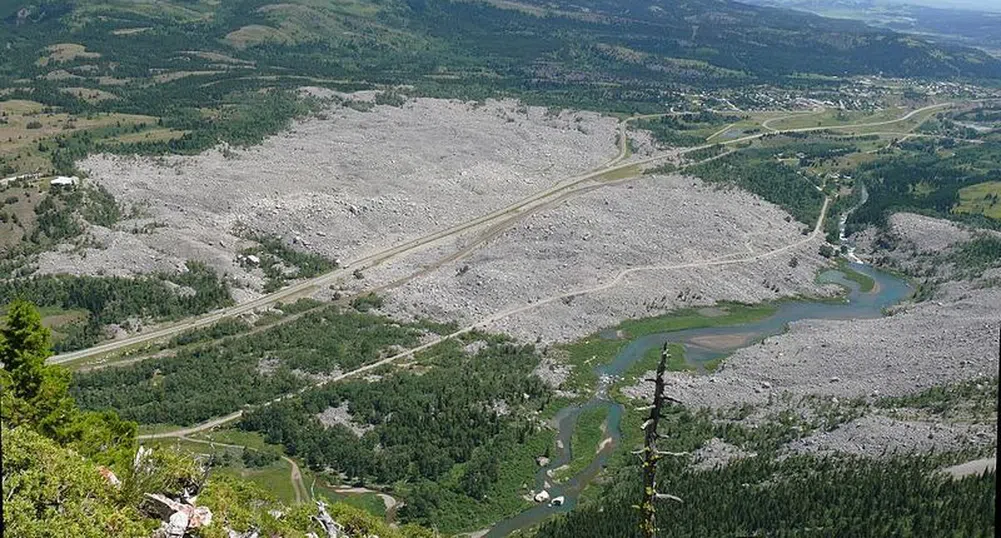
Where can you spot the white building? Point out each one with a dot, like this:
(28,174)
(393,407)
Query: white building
(64,181)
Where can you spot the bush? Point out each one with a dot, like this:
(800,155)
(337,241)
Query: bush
(259,458)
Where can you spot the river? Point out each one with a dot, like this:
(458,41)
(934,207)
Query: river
(701,345)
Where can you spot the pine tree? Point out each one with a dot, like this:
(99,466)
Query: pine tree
(32,392)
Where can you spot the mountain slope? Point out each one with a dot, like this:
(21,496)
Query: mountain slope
(523,39)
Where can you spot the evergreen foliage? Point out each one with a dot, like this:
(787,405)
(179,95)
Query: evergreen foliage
(757,172)
(435,428)
(117,299)
(797,496)
(217,378)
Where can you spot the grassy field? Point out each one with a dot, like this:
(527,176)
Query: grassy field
(152,135)
(57,318)
(370,502)
(831,118)
(232,436)
(750,125)
(275,478)
(982,199)
(675,363)
(26,124)
(17,213)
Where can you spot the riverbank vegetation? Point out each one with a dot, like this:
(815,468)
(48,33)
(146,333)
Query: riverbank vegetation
(588,434)
(601,348)
(761,493)
(865,282)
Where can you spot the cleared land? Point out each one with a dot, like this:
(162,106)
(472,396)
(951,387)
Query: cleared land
(983,199)
(23,124)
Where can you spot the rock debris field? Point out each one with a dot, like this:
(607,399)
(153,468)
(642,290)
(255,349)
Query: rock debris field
(587,241)
(355,183)
(351,184)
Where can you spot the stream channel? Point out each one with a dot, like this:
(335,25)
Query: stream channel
(888,290)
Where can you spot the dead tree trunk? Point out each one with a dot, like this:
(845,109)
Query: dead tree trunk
(650,454)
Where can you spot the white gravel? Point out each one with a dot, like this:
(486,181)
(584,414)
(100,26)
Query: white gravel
(951,339)
(332,416)
(716,453)
(352,184)
(877,435)
(927,345)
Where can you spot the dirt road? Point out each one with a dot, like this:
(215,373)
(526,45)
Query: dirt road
(298,487)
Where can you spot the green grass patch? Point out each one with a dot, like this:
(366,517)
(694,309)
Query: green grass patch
(594,350)
(714,364)
(835,118)
(982,198)
(687,130)
(275,478)
(587,434)
(697,318)
(620,173)
(865,282)
(675,363)
(369,502)
(232,436)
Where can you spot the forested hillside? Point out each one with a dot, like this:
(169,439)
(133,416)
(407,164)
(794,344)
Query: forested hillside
(797,496)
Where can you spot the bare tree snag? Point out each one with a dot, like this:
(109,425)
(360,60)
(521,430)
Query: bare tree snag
(650,454)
